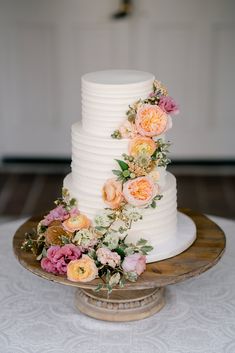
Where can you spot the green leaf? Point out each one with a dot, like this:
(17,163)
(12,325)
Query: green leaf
(120,252)
(141,242)
(107,277)
(131,276)
(158,197)
(39,257)
(109,288)
(44,252)
(122,282)
(121,178)
(114,279)
(101,230)
(98,287)
(122,164)
(65,192)
(117,172)
(73,202)
(64,240)
(129,251)
(146,249)
(153,204)
(92,254)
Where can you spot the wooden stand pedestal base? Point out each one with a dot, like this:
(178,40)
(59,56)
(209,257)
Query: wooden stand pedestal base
(121,305)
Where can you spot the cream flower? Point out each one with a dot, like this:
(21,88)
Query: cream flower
(127,130)
(154,175)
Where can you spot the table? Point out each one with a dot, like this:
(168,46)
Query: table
(39,316)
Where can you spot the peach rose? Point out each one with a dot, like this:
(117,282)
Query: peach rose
(151,120)
(82,270)
(128,130)
(141,144)
(76,222)
(140,191)
(112,193)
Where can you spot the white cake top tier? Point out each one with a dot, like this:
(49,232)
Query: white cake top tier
(106,96)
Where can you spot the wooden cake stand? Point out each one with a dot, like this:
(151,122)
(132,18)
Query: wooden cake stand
(145,297)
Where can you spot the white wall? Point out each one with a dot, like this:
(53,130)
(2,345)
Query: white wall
(46,45)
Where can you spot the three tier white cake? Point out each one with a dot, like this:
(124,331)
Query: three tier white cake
(106,96)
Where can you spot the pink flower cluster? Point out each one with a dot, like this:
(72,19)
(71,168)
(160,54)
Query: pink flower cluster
(134,263)
(108,257)
(58,258)
(57,214)
(168,105)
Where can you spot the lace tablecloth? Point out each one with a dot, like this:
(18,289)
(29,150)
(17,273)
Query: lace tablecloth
(38,316)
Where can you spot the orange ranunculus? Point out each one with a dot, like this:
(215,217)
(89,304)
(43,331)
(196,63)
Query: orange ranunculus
(140,191)
(82,270)
(151,120)
(141,144)
(76,222)
(112,193)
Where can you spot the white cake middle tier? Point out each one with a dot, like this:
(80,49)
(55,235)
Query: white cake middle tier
(93,159)
(157,225)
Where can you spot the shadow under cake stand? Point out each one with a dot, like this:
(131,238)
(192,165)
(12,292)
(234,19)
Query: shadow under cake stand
(145,297)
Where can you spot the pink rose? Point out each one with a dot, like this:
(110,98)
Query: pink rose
(108,257)
(48,266)
(134,263)
(58,258)
(57,214)
(168,105)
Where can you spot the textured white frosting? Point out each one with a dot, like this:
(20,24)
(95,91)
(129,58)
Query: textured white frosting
(93,159)
(106,96)
(157,224)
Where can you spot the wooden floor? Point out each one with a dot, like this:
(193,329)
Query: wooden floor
(25,194)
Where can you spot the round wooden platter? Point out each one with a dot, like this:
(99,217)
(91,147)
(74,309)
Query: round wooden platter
(146,296)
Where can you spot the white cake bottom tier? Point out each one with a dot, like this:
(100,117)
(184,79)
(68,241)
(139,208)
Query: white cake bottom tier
(93,159)
(157,224)
(184,237)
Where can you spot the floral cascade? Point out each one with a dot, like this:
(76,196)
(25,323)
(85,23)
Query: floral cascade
(67,242)
(137,177)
